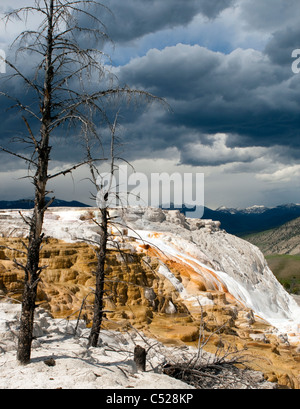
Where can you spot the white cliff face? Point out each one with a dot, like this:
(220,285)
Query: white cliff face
(225,262)
(249,272)
(237,264)
(239,268)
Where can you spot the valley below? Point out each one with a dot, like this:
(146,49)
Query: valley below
(282,251)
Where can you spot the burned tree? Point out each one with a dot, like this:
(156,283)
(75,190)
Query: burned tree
(101,250)
(108,196)
(102,196)
(60,96)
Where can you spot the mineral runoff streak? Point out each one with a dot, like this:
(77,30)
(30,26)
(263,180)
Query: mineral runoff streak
(150,398)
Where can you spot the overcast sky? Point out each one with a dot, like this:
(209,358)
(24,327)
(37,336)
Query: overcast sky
(224,67)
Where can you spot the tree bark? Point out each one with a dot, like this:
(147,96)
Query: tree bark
(26,325)
(100,276)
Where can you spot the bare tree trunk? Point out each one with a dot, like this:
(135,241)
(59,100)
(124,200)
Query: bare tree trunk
(32,274)
(26,323)
(32,269)
(100,276)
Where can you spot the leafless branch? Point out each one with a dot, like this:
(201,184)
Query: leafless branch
(69,170)
(17,155)
(12,249)
(25,220)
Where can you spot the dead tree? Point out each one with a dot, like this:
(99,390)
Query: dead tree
(61,97)
(106,197)
(103,236)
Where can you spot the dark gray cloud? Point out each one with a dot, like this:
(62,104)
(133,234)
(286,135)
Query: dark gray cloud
(235,111)
(269,15)
(252,96)
(133,19)
(243,94)
(281,45)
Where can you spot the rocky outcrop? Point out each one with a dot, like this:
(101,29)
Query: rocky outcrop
(179,277)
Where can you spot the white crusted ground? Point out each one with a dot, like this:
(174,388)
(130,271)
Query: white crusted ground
(109,366)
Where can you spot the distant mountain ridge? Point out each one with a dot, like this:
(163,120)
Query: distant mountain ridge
(253,219)
(28,204)
(235,221)
(247,210)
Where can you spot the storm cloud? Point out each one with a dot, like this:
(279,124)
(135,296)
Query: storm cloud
(224,68)
(242,93)
(132,19)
